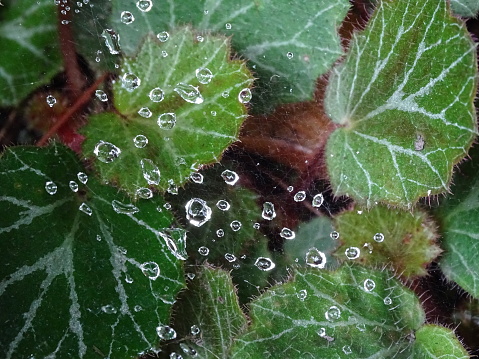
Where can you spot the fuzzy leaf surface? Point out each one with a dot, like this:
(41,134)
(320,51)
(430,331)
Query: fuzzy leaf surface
(404,96)
(435,342)
(466,8)
(333,314)
(205,123)
(28,36)
(74,284)
(287,54)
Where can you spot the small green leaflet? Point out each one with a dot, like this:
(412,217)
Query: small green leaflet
(352,311)
(467,8)
(28,30)
(82,270)
(404,95)
(184,98)
(435,342)
(288,46)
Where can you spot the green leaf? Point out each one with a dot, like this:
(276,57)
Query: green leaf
(28,36)
(190,116)
(81,273)
(466,8)
(434,342)
(384,236)
(458,215)
(287,54)
(353,310)
(208,314)
(404,97)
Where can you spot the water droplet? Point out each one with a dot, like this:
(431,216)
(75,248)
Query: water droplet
(172,187)
(230,177)
(165,332)
(204,251)
(315,258)
(82,177)
(137,308)
(347,350)
(302,294)
(175,239)
(220,233)
(163,36)
(290,188)
(213,113)
(268,211)
(352,252)
(223,205)
(174,355)
(112,41)
(73,186)
(196,177)
(189,93)
(150,270)
(387,301)
(101,95)
(333,313)
(265,264)
(167,120)
(200,38)
(144,5)
(378,237)
(106,152)
(151,173)
(369,285)
(225,94)
(126,17)
(318,200)
(108,309)
(156,95)
(85,209)
(197,212)
(256,225)
(140,141)
(235,226)
(51,187)
(130,81)
(144,193)
(125,208)
(287,233)
(51,100)
(300,196)
(204,75)
(245,95)
(195,330)
(322,334)
(334,235)
(188,350)
(228,26)
(289,55)
(144,112)
(230,257)
(164,54)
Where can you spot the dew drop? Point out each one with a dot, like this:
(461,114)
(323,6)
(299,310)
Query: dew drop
(144,112)
(108,309)
(137,308)
(378,237)
(151,173)
(106,152)
(189,93)
(315,258)
(204,251)
(200,38)
(144,5)
(228,26)
(300,196)
(245,95)
(195,330)
(387,301)
(150,270)
(318,200)
(101,95)
(287,233)
(130,81)
(128,279)
(333,313)
(223,205)
(175,239)
(163,36)
(73,186)
(165,332)
(235,226)
(85,209)
(197,212)
(156,95)
(220,233)
(225,94)
(51,100)
(290,188)
(369,285)
(112,41)
(164,54)
(51,187)
(289,55)
(188,350)
(196,177)
(126,17)
(334,235)
(256,225)
(125,208)
(347,350)
(204,75)
(230,257)
(264,264)
(352,252)
(167,120)
(230,177)
(302,294)
(140,141)
(268,211)
(144,193)
(172,187)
